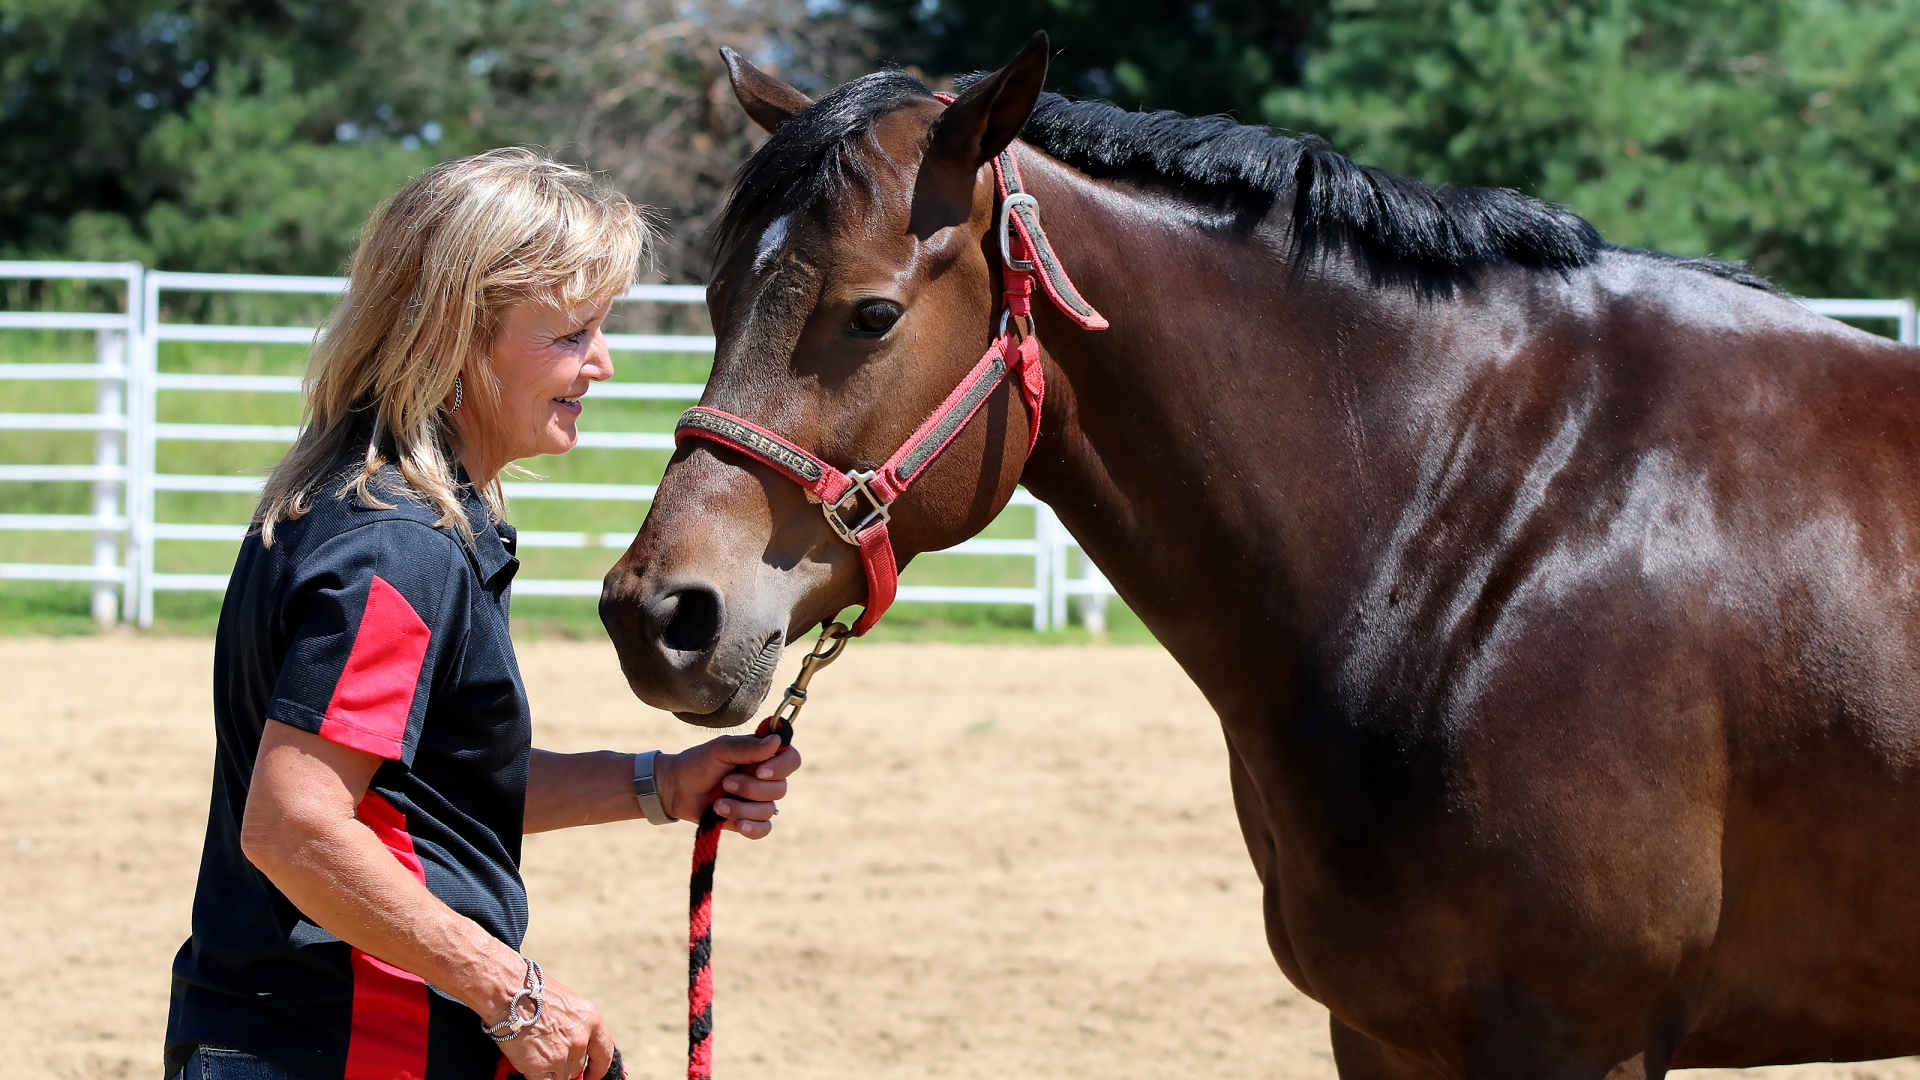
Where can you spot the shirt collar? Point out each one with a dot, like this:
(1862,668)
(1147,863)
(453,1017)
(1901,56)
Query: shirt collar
(496,545)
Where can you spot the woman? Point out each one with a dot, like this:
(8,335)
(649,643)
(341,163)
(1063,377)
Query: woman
(359,908)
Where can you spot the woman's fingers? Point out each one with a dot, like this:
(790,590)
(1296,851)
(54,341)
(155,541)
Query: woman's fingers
(741,810)
(763,757)
(779,766)
(747,771)
(743,749)
(754,790)
(752,820)
(752,830)
(599,1053)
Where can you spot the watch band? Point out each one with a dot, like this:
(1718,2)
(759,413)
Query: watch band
(647,791)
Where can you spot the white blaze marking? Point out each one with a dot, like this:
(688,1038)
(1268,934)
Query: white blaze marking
(770,241)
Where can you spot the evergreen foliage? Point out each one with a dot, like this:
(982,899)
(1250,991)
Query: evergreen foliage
(257,134)
(1781,132)
(224,134)
(1192,56)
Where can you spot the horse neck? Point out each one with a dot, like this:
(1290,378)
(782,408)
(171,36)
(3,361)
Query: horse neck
(1208,450)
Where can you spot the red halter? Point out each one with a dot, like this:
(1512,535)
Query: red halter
(858,502)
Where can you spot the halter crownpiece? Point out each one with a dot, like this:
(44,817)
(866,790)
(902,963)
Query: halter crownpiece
(858,502)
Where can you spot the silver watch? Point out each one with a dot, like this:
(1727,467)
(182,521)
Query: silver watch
(647,791)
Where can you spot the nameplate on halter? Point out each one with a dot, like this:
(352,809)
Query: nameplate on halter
(747,437)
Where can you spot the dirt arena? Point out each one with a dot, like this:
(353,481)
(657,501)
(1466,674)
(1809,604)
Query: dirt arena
(998,862)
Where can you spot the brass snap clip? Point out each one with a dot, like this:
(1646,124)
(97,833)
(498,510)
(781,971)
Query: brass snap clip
(833,639)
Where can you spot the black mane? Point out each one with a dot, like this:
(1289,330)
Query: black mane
(1402,230)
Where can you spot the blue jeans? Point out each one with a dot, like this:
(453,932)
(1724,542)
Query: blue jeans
(210,1064)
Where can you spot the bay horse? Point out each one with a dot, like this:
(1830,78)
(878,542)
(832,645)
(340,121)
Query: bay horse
(1558,600)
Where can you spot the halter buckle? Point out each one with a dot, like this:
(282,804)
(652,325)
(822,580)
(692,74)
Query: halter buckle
(1006,229)
(882,512)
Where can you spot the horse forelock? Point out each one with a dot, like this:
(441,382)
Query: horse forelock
(808,158)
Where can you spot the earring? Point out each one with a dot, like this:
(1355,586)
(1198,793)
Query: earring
(459,394)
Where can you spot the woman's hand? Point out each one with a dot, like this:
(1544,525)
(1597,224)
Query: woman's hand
(748,795)
(569,1039)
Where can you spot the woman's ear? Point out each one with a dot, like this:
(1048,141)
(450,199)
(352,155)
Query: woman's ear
(975,128)
(767,100)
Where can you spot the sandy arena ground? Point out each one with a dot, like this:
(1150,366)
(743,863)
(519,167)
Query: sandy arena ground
(998,862)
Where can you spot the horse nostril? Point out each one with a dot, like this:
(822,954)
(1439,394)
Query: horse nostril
(692,620)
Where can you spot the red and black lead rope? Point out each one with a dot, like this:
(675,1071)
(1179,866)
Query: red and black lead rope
(706,847)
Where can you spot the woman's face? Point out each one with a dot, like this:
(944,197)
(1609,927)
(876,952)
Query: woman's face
(545,359)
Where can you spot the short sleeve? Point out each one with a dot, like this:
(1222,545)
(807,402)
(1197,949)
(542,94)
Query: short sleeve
(371,614)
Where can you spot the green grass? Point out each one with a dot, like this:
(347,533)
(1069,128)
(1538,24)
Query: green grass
(50,608)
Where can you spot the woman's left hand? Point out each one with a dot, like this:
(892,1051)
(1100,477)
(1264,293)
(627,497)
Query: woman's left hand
(747,796)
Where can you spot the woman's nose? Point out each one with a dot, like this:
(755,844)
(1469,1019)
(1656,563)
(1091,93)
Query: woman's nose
(599,365)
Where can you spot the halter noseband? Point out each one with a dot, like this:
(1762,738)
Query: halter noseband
(858,502)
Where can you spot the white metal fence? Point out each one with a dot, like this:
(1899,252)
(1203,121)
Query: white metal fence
(124,476)
(1900,311)
(127,478)
(109,474)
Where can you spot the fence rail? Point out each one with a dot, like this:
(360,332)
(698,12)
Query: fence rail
(127,478)
(1900,311)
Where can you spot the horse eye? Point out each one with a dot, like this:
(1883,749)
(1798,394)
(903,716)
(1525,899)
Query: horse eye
(875,317)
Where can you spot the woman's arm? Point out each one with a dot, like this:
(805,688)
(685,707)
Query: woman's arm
(564,790)
(301,832)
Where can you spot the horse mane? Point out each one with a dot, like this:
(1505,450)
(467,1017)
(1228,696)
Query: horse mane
(1401,230)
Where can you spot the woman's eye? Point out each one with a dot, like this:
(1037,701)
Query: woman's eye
(875,317)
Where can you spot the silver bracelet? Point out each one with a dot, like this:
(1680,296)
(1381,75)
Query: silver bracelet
(515,1024)
(647,790)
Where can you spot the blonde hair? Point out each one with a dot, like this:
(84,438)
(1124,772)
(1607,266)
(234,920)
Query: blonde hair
(436,268)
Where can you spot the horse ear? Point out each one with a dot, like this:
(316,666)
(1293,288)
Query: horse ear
(767,100)
(981,122)
(975,128)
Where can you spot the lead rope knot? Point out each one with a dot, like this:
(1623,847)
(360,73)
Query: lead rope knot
(706,847)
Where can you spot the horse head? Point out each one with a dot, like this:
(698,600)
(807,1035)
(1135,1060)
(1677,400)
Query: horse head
(857,282)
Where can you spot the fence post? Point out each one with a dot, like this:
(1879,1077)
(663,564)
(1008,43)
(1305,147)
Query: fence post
(1093,598)
(140,458)
(1909,333)
(109,404)
(1045,525)
(1056,544)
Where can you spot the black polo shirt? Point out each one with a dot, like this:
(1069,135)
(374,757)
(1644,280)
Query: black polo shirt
(379,630)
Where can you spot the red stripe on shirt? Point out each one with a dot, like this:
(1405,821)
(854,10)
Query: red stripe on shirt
(375,692)
(390,1011)
(390,825)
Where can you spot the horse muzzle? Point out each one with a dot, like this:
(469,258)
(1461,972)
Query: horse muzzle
(682,649)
